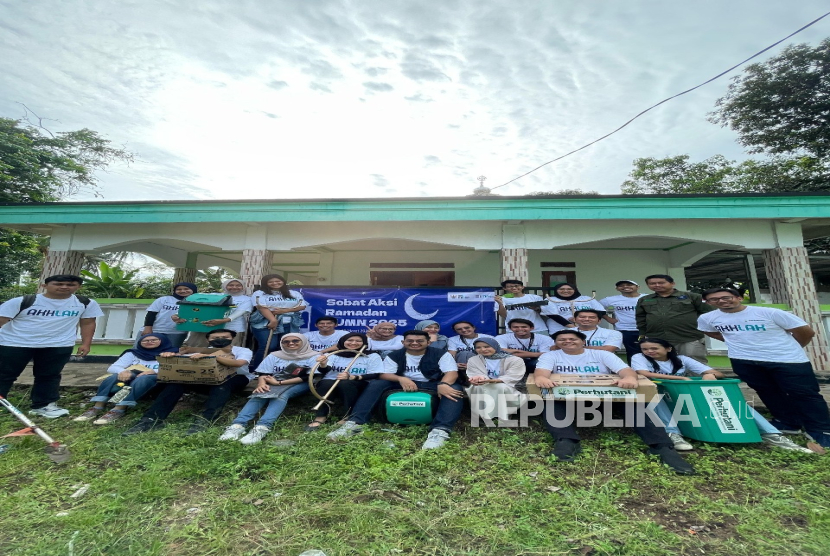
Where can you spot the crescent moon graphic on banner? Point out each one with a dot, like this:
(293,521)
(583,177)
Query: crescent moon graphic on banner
(410,310)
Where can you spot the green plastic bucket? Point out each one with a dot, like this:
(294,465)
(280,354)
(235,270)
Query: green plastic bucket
(720,408)
(409,408)
(199,307)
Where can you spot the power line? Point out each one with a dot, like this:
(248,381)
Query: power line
(664,101)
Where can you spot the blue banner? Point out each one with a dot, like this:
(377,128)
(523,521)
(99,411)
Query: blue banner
(359,308)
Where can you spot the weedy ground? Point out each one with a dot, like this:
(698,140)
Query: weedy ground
(487,492)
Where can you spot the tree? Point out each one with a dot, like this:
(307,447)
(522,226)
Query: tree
(561,192)
(782,105)
(39,166)
(111,281)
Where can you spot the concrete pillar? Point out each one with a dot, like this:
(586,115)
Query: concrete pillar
(255,264)
(61,262)
(791,282)
(514,253)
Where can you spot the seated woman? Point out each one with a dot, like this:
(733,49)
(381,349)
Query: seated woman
(277,383)
(136,368)
(237,319)
(563,301)
(493,374)
(660,360)
(353,382)
(431,327)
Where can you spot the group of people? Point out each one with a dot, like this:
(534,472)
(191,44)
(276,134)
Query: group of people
(661,333)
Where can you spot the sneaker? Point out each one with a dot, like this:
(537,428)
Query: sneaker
(785,428)
(349,428)
(89,414)
(256,435)
(679,442)
(109,417)
(781,441)
(435,439)
(566,449)
(145,424)
(200,424)
(233,432)
(671,458)
(821,438)
(50,411)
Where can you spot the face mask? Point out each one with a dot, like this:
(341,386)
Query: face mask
(220,342)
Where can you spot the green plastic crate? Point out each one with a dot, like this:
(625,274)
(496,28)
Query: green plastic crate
(720,407)
(199,307)
(409,408)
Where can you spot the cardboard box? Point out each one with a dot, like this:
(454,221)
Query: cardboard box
(181,368)
(593,387)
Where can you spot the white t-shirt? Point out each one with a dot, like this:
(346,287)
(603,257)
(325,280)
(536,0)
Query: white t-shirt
(318,342)
(413,372)
(130,359)
(276,300)
(365,365)
(563,309)
(385,346)
(246,355)
(624,310)
(166,307)
(640,363)
(242,305)
(527,314)
(538,343)
(757,334)
(47,323)
(589,361)
(459,344)
(493,367)
(273,365)
(603,337)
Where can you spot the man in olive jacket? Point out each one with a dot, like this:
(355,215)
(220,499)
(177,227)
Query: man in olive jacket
(672,314)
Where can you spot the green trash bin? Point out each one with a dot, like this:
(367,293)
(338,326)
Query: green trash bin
(409,408)
(720,407)
(199,307)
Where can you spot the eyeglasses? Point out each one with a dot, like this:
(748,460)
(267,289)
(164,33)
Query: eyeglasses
(291,341)
(716,299)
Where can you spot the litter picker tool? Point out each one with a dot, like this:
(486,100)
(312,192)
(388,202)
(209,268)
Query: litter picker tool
(56,451)
(325,399)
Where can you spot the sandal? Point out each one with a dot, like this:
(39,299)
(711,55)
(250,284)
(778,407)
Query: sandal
(313,426)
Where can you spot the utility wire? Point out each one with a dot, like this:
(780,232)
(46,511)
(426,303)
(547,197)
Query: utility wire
(664,101)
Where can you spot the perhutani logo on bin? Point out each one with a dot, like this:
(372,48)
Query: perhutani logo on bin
(594,392)
(722,411)
(407,404)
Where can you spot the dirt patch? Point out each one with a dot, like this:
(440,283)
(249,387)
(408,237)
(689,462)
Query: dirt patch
(679,518)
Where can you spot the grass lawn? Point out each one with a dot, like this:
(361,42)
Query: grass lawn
(488,492)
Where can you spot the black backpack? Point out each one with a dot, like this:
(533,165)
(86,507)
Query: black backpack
(30,298)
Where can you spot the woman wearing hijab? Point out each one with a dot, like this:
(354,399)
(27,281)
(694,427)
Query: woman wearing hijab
(276,308)
(162,314)
(280,379)
(436,340)
(136,368)
(237,319)
(563,301)
(493,374)
(353,382)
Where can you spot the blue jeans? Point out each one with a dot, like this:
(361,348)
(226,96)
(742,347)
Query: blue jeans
(789,390)
(664,413)
(275,405)
(140,385)
(449,411)
(261,336)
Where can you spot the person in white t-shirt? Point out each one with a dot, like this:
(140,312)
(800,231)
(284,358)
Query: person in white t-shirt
(461,346)
(44,333)
(163,314)
(276,308)
(325,338)
(659,360)
(416,367)
(572,357)
(524,343)
(605,339)
(624,307)
(382,338)
(516,296)
(236,320)
(563,301)
(766,348)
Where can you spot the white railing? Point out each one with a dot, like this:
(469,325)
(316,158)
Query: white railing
(121,322)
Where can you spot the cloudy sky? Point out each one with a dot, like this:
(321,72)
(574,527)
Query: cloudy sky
(242,99)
